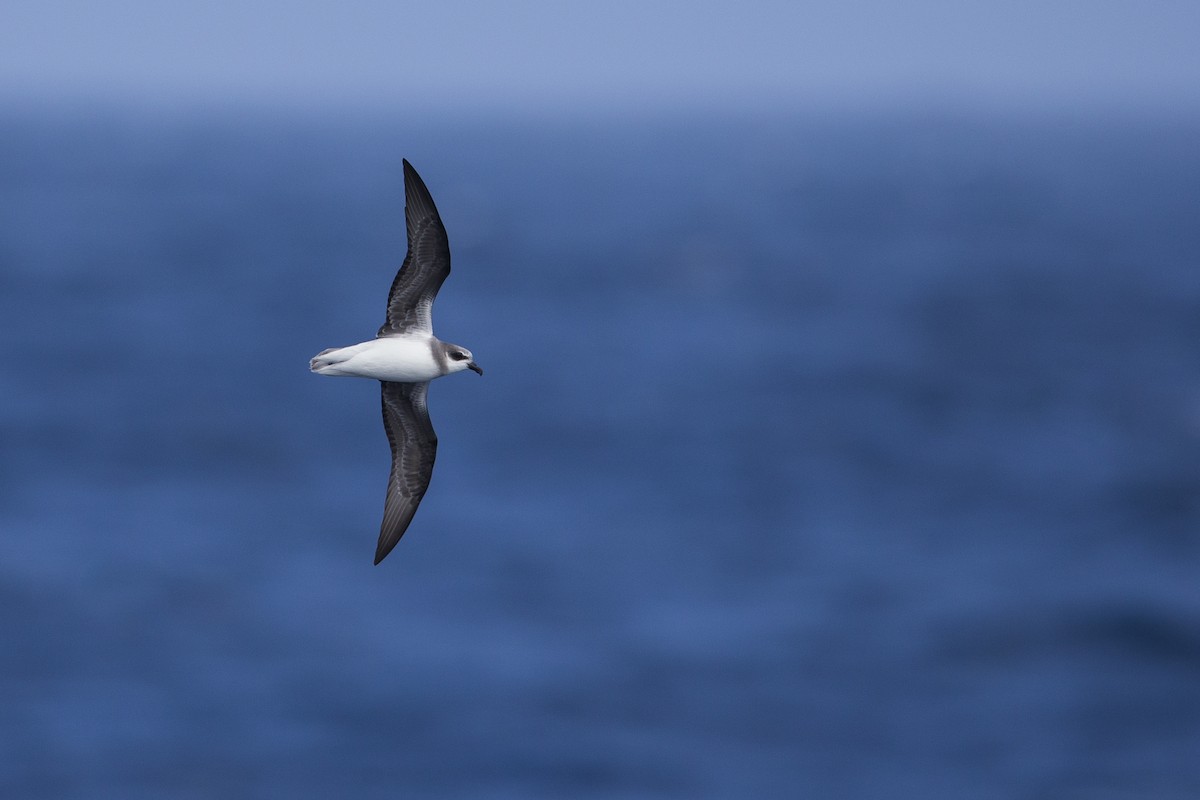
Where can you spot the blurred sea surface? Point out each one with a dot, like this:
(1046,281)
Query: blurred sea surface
(850,457)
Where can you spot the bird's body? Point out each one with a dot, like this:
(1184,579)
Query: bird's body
(405,356)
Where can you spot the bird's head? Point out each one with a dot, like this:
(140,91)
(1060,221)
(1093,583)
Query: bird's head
(460,358)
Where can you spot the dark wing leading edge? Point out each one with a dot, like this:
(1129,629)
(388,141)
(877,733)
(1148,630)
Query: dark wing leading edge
(425,267)
(414,445)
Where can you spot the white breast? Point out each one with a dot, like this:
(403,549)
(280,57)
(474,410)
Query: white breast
(402,359)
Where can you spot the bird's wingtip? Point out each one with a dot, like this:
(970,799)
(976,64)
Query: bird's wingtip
(384,547)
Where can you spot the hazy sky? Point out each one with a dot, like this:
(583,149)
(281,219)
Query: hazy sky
(533,53)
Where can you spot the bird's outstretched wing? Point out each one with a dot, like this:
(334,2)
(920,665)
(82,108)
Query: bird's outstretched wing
(414,445)
(425,267)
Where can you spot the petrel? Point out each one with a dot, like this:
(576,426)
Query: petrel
(404,357)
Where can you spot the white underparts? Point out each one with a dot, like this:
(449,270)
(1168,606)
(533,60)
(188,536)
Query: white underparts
(404,359)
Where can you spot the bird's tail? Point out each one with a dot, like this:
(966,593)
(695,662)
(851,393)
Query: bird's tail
(325,359)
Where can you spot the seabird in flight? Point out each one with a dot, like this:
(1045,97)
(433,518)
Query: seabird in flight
(405,356)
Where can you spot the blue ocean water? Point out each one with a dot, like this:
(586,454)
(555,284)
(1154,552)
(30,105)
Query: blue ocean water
(853,457)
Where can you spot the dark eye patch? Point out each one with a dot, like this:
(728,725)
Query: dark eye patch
(458,355)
